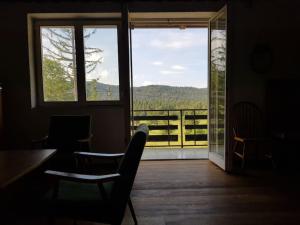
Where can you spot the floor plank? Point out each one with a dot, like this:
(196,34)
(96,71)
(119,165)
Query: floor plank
(198,192)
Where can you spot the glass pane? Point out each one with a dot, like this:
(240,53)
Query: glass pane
(101,63)
(58,64)
(217,84)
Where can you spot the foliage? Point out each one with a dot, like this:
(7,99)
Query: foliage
(92,94)
(58,86)
(168,97)
(61,47)
(158,96)
(59,64)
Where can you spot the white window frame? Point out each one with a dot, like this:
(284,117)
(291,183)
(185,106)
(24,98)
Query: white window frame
(78,24)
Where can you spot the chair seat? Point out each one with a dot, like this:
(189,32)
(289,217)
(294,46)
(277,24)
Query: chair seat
(80,199)
(84,210)
(77,192)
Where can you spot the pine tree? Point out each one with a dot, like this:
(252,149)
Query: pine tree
(58,47)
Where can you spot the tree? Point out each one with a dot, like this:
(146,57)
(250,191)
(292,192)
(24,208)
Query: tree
(92,94)
(59,46)
(57,85)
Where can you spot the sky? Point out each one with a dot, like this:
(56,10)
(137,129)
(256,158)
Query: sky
(106,39)
(174,57)
(171,57)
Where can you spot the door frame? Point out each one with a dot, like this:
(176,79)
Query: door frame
(227,164)
(213,157)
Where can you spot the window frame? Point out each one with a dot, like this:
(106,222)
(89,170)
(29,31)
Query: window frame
(77,25)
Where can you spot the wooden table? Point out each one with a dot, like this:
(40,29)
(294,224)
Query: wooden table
(14,164)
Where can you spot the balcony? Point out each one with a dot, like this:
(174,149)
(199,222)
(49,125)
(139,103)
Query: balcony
(178,133)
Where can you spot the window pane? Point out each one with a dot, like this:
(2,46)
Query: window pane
(58,64)
(101,63)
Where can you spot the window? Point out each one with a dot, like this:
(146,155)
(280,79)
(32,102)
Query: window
(101,63)
(77,61)
(58,64)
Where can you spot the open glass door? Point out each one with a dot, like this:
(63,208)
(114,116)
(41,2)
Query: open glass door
(217,87)
(131,79)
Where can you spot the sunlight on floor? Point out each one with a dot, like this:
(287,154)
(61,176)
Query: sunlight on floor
(175,153)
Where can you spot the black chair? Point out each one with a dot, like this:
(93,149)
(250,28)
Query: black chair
(99,198)
(67,134)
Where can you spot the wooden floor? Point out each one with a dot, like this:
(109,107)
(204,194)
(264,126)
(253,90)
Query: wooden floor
(196,192)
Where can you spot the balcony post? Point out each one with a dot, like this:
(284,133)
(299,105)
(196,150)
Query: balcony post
(181,128)
(194,122)
(169,128)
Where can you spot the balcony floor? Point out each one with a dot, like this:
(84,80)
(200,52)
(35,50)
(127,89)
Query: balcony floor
(174,153)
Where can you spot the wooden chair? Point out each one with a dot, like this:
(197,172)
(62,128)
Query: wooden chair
(248,130)
(77,195)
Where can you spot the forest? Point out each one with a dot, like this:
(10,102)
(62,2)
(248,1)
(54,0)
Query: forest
(168,97)
(154,97)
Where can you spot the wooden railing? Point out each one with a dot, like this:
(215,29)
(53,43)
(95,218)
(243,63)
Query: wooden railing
(173,128)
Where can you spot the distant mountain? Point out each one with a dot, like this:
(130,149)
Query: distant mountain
(163,92)
(106,91)
(161,96)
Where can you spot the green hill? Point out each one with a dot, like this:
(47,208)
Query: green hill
(161,96)
(168,97)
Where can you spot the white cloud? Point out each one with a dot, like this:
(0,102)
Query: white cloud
(104,74)
(178,41)
(101,76)
(157,63)
(92,76)
(146,83)
(94,57)
(156,43)
(178,67)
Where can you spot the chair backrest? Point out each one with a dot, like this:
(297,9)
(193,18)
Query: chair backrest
(65,130)
(128,169)
(247,120)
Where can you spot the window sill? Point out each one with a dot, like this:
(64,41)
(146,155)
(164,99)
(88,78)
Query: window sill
(79,105)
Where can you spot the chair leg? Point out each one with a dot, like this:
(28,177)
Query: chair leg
(235,146)
(55,190)
(102,191)
(51,220)
(132,211)
(235,149)
(243,159)
(274,164)
(116,164)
